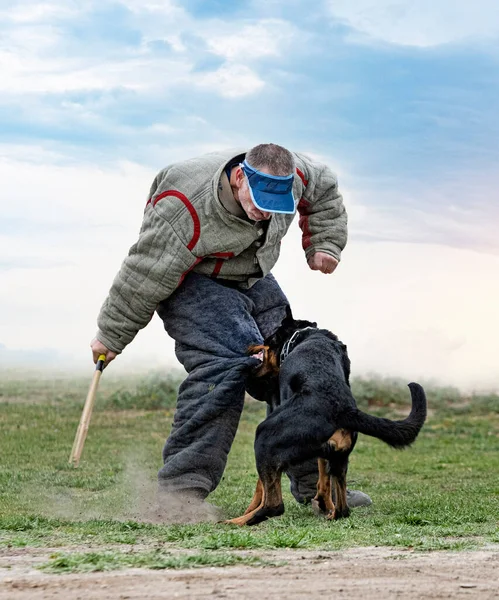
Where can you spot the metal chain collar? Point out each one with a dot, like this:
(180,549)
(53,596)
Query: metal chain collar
(290,344)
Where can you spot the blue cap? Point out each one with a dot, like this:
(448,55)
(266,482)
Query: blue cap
(270,193)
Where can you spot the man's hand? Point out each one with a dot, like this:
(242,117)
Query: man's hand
(320,261)
(98,348)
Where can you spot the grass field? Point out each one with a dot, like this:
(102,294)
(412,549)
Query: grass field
(443,493)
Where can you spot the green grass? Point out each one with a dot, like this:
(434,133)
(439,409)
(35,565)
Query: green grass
(443,493)
(87,562)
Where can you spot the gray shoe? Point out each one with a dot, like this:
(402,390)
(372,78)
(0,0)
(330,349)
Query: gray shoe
(355,498)
(305,494)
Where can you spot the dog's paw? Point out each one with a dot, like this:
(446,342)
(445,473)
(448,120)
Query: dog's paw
(319,507)
(342,514)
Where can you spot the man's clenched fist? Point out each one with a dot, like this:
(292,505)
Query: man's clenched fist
(320,261)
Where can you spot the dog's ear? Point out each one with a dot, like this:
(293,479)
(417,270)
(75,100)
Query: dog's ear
(289,314)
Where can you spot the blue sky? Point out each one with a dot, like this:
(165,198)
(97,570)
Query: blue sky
(400,98)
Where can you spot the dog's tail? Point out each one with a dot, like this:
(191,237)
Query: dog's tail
(395,433)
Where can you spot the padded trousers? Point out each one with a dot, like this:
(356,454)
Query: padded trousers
(213,323)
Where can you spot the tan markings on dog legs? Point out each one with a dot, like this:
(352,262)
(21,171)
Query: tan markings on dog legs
(257,498)
(242,520)
(341,439)
(340,493)
(271,497)
(323,496)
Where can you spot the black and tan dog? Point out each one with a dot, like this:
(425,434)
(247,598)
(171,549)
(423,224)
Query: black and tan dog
(304,377)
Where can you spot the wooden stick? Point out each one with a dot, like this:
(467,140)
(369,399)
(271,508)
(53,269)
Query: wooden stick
(82,431)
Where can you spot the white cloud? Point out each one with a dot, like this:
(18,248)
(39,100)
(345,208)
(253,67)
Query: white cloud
(58,75)
(231,81)
(28,11)
(422,23)
(245,43)
(165,8)
(39,56)
(163,20)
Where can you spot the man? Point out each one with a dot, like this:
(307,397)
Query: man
(210,236)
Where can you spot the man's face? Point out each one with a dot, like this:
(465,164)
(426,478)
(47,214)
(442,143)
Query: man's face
(243,197)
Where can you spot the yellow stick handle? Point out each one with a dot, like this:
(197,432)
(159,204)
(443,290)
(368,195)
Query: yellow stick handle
(81,433)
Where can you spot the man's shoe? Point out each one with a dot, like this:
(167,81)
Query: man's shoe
(355,498)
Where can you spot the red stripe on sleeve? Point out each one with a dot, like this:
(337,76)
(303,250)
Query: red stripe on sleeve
(304,223)
(218,266)
(190,208)
(302,177)
(223,254)
(182,277)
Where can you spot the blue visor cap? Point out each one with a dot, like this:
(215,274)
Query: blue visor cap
(270,193)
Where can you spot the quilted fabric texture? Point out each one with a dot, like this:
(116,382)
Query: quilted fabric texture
(186,227)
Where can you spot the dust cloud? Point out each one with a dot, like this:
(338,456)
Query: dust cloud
(135,497)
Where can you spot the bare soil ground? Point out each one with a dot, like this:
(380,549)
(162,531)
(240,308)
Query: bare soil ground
(363,572)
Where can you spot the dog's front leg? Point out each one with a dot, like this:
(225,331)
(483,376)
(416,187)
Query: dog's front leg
(340,489)
(271,504)
(341,444)
(257,498)
(255,504)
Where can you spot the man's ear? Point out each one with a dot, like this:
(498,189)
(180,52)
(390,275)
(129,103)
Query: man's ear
(238,175)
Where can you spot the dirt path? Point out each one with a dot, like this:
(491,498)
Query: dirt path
(369,573)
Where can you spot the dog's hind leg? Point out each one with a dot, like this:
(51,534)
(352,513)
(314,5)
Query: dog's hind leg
(323,499)
(341,445)
(338,467)
(340,493)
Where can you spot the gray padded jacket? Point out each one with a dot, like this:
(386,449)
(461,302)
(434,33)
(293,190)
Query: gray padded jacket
(188,226)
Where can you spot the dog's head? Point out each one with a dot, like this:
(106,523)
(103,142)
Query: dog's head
(273,345)
(288,327)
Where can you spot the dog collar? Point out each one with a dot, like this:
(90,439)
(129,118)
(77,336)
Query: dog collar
(291,343)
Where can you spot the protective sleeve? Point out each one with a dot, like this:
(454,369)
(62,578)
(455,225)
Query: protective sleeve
(153,269)
(323,218)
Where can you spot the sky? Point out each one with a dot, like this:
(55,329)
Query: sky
(399,98)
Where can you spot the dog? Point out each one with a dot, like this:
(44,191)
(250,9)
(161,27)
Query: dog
(304,378)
